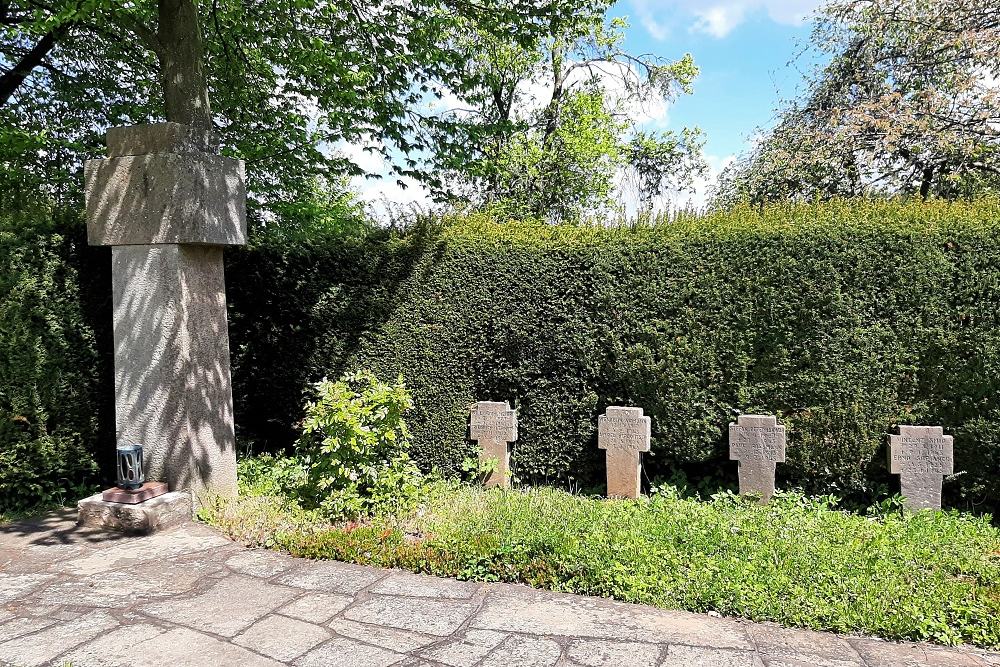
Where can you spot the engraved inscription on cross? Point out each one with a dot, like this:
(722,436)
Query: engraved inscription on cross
(921,456)
(623,433)
(758,443)
(494,425)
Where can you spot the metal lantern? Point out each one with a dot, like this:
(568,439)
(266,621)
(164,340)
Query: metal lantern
(130,473)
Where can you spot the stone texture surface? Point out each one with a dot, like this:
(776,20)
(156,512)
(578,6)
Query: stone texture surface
(331,577)
(465,649)
(226,609)
(259,563)
(281,637)
(45,646)
(597,653)
(623,433)
(494,426)
(434,617)
(169,204)
(401,641)
(172,376)
(165,198)
(189,598)
(424,586)
(524,652)
(317,607)
(160,138)
(758,443)
(159,513)
(921,455)
(341,652)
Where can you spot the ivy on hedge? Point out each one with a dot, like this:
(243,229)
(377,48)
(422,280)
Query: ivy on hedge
(843,318)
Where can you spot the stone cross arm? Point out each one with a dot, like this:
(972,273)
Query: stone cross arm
(164,184)
(624,428)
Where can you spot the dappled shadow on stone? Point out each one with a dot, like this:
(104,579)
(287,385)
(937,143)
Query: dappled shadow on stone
(168,205)
(57,528)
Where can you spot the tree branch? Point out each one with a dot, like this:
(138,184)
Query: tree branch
(12,80)
(146,35)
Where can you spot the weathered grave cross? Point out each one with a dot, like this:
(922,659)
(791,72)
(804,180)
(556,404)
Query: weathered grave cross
(623,433)
(494,425)
(921,456)
(758,443)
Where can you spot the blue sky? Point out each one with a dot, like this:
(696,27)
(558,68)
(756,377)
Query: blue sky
(748,54)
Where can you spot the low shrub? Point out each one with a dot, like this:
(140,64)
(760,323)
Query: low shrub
(354,445)
(351,458)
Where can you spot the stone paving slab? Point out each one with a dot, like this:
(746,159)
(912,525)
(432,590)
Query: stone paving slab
(189,597)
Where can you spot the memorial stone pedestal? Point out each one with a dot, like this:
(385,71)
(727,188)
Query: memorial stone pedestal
(167,203)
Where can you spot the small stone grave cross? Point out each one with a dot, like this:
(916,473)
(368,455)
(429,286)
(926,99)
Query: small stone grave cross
(623,433)
(921,456)
(494,426)
(758,443)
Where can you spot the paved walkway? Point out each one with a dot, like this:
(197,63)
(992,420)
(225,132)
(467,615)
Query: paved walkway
(191,597)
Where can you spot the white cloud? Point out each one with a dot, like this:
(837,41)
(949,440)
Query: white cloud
(718,18)
(386,197)
(364,154)
(703,184)
(650,110)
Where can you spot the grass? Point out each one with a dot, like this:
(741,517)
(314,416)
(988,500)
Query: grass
(13,515)
(798,561)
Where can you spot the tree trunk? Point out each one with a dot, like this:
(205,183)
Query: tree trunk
(926,178)
(558,81)
(182,68)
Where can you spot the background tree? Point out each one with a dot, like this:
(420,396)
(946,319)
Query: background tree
(284,83)
(908,103)
(555,125)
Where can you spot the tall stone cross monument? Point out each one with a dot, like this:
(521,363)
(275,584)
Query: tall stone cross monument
(758,443)
(168,203)
(623,433)
(494,426)
(921,456)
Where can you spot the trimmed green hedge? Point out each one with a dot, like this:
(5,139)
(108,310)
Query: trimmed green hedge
(842,318)
(55,380)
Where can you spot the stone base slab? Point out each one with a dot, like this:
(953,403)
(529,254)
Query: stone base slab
(160,138)
(166,511)
(133,496)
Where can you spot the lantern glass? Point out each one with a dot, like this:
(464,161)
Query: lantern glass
(130,472)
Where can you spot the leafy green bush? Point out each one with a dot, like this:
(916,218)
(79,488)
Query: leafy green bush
(843,318)
(354,448)
(269,475)
(51,373)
